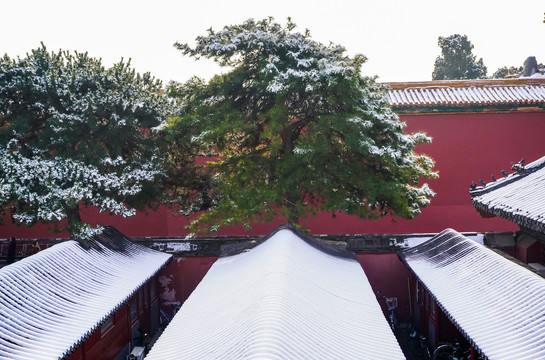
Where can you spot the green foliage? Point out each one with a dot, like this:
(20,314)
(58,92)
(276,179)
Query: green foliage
(457,61)
(501,73)
(73,132)
(293,128)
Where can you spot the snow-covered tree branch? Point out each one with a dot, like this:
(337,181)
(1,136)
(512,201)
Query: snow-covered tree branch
(73,132)
(297,129)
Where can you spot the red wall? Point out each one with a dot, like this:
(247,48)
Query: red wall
(179,278)
(530,253)
(388,277)
(466,147)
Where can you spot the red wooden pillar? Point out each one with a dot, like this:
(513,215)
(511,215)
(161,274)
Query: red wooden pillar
(435,318)
(473,353)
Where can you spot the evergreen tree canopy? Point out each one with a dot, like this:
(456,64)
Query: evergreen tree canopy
(292,127)
(501,73)
(457,61)
(73,132)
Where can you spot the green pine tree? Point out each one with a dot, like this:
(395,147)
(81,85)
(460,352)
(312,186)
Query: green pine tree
(293,127)
(74,133)
(457,61)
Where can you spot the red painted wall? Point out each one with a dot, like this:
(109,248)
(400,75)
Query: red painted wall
(466,147)
(179,278)
(530,253)
(388,277)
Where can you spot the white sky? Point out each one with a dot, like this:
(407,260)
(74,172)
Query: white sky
(399,37)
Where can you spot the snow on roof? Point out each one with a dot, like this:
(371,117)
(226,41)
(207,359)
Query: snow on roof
(468,93)
(497,304)
(52,301)
(410,242)
(519,197)
(282,299)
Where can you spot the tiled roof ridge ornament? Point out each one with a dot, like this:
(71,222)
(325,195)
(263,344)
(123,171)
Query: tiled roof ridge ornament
(520,170)
(530,66)
(519,167)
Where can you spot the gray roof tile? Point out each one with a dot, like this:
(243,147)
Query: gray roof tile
(468,93)
(282,299)
(497,303)
(52,301)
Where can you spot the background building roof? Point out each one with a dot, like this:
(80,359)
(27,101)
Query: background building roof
(507,94)
(52,301)
(519,197)
(285,298)
(497,304)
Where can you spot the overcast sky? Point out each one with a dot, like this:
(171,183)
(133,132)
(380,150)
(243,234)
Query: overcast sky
(399,37)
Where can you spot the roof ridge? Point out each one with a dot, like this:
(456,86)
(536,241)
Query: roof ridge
(329,249)
(466,83)
(507,95)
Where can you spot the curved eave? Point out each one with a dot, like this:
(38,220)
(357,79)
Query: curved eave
(512,214)
(518,197)
(448,314)
(113,311)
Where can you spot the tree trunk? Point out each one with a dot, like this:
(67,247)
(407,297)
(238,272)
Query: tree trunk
(74,220)
(293,212)
(289,135)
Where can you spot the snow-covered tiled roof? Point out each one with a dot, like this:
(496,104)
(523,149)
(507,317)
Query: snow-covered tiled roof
(283,299)
(468,93)
(498,305)
(519,197)
(52,301)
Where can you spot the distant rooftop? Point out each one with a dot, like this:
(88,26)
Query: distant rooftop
(523,94)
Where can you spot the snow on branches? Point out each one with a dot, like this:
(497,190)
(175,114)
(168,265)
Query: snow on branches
(41,189)
(297,126)
(72,132)
(285,57)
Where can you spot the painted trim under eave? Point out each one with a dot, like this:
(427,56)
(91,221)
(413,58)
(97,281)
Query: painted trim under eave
(409,111)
